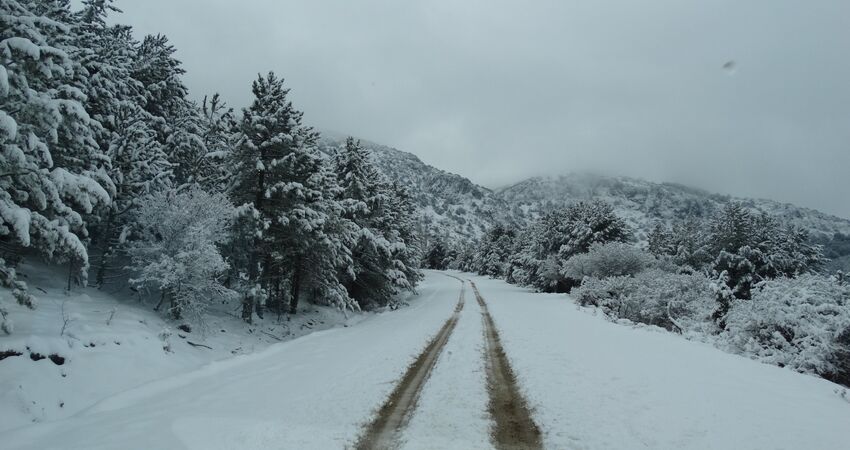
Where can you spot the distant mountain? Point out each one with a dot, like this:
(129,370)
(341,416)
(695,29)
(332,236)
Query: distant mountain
(455,209)
(643,203)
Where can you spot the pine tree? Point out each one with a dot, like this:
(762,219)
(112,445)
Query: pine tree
(282,183)
(660,241)
(106,55)
(692,249)
(44,199)
(402,230)
(186,149)
(159,73)
(495,249)
(543,246)
(437,256)
(588,223)
(139,167)
(385,253)
(219,134)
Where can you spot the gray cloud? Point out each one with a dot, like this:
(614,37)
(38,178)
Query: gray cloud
(501,90)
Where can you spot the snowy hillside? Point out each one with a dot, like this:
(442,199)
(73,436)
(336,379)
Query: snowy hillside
(643,203)
(450,206)
(454,208)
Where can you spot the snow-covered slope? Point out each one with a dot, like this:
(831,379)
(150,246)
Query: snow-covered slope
(450,206)
(79,347)
(644,203)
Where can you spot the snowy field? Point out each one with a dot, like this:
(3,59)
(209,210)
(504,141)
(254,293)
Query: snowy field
(592,384)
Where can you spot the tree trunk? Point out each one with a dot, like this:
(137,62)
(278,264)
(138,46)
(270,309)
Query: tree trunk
(296,287)
(105,249)
(249,299)
(70,273)
(161,301)
(248,307)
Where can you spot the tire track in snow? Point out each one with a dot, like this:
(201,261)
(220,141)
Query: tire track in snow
(513,427)
(385,429)
(452,409)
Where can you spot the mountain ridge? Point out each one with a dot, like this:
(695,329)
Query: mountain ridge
(455,210)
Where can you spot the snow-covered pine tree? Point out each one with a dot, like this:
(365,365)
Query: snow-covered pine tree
(220,135)
(465,254)
(44,199)
(107,55)
(186,148)
(179,122)
(407,250)
(494,252)
(437,257)
(690,239)
(588,223)
(331,254)
(385,254)
(280,180)
(139,167)
(564,233)
(160,73)
(754,247)
(524,263)
(660,241)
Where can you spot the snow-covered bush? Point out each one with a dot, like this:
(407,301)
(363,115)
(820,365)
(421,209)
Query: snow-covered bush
(176,249)
(793,322)
(607,260)
(679,302)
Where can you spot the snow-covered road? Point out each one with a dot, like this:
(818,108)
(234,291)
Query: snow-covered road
(590,383)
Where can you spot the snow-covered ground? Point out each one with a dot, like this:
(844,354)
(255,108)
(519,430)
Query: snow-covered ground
(596,384)
(112,342)
(591,383)
(312,392)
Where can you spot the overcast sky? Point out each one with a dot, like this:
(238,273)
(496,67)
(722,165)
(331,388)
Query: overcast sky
(501,90)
